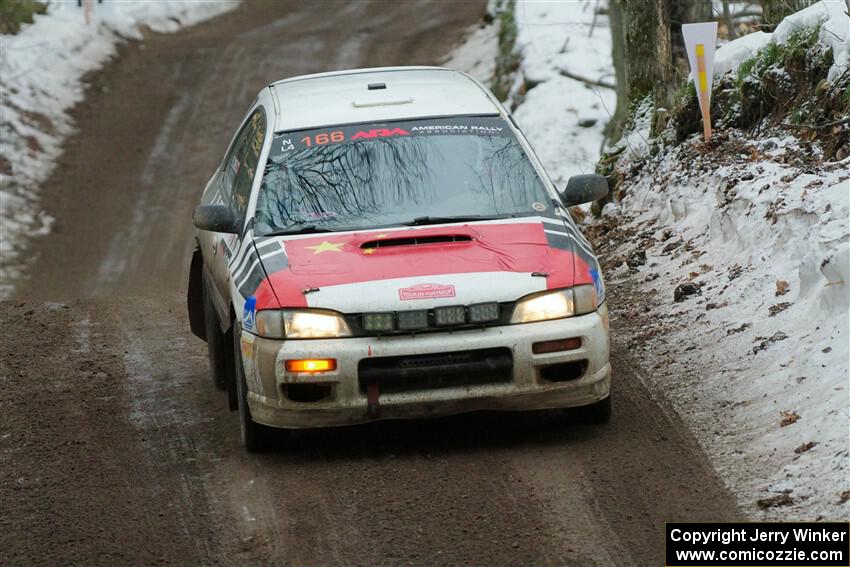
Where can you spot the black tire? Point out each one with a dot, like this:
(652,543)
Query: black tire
(217,346)
(256,437)
(598,413)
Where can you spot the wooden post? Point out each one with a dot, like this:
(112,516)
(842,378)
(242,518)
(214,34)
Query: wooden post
(702,91)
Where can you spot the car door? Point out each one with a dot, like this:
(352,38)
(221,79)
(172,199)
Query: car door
(235,182)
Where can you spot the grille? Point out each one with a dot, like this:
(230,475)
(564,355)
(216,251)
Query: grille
(394,374)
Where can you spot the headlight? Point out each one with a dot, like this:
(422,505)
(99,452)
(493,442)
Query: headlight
(301,324)
(556,304)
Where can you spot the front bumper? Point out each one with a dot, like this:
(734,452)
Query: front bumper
(347,403)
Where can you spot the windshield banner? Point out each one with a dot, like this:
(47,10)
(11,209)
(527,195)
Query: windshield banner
(290,142)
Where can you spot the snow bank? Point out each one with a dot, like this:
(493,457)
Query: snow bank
(730,56)
(41,71)
(757,359)
(830,15)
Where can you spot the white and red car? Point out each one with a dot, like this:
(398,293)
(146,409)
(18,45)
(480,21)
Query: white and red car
(383,243)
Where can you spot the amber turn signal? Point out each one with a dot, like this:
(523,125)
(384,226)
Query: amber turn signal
(556,346)
(311,365)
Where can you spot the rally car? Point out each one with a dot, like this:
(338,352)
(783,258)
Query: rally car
(384,243)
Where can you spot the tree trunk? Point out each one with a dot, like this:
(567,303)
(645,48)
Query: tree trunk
(614,128)
(774,11)
(648,53)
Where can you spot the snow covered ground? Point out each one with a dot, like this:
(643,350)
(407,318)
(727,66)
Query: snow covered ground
(753,236)
(756,358)
(562,117)
(41,72)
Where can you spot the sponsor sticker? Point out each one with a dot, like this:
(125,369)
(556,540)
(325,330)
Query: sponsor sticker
(426,291)
(249,313)
(598,284)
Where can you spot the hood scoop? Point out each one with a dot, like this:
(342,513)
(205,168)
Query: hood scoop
(416,241)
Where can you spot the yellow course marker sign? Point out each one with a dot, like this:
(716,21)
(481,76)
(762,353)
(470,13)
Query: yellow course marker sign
(700,39)
(703,91)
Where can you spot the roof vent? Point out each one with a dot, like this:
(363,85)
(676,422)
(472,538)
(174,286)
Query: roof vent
(416,241)
(377,86)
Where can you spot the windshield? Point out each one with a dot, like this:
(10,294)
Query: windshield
(397,173)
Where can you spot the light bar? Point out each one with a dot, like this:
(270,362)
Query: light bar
(483,312)
(378,321)
(412,320)
(453,315)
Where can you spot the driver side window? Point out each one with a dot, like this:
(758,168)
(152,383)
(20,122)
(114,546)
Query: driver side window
(240,166)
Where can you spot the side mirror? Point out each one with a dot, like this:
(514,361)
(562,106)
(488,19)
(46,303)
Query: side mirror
(584,189)
(215,218)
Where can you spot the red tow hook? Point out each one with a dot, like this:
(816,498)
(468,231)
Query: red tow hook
(373,407)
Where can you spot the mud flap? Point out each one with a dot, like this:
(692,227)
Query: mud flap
(195,296)
(233,375)
(373,406)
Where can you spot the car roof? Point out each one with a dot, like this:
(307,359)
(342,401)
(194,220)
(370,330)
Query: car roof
(344,97)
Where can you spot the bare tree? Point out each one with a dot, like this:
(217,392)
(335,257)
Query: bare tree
(649,57)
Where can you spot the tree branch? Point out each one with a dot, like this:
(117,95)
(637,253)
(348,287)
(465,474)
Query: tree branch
(823,126)
(603,84)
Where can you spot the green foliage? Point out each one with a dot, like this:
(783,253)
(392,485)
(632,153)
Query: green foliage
(755,67)
(13,13)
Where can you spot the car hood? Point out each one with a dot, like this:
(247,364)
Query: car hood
(419,267)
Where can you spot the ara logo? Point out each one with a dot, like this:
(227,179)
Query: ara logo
(426,291)
(379,133)
(249,312)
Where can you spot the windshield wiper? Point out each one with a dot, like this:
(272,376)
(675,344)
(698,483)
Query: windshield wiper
(420,221)
(307,229)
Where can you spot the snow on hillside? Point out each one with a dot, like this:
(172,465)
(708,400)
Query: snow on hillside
(41,72)
(754,234)
(754,354)
(562,117)
(731,266)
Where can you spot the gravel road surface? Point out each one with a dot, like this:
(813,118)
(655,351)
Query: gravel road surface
(115,449)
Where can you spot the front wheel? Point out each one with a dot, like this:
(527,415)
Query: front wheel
(256,437)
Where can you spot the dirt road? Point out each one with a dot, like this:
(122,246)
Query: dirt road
(114,447)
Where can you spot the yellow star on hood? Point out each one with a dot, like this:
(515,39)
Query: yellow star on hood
(326,246)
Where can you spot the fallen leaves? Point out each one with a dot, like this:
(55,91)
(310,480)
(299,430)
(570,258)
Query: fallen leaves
(788,418)
(778,308)
(736,330)
(805,447)
(783,499)
(765,342)
(684,291)
(781,287)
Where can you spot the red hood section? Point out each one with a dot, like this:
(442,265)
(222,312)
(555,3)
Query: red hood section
(328,259)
